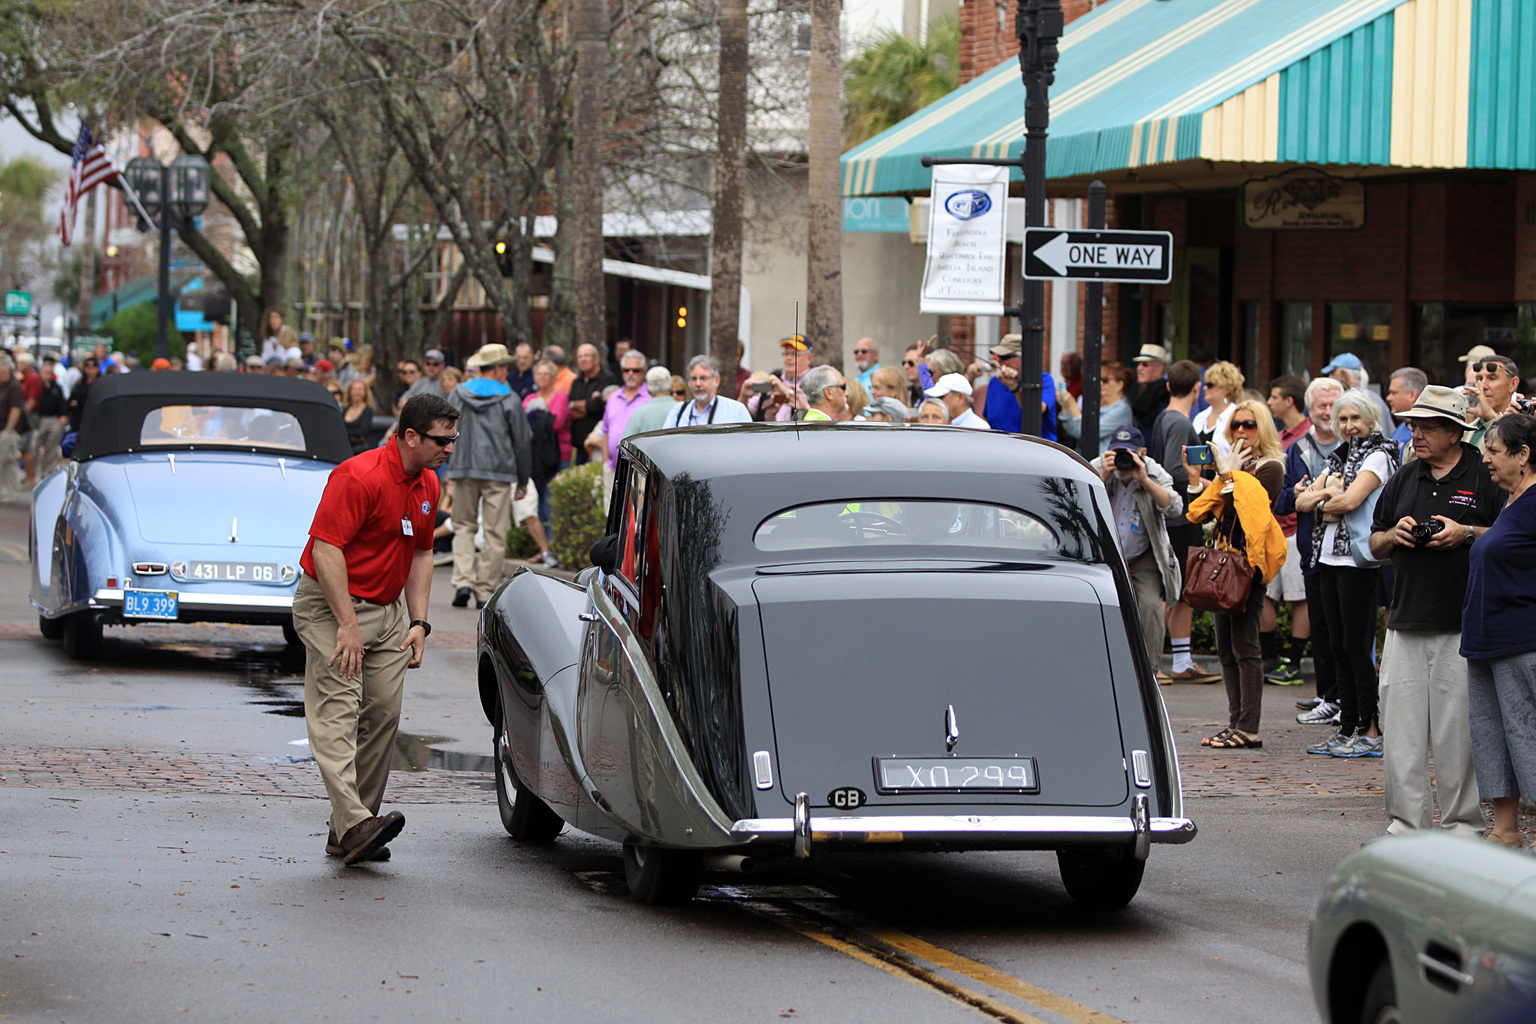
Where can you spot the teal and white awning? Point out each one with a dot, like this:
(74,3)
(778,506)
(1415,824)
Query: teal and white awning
(1405,83)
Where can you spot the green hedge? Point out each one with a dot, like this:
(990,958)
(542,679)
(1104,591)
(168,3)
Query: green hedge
(520,543)
(577,518)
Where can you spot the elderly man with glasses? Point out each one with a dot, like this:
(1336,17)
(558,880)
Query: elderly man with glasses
(495,454)
(866,355)
(1498,379)
(826,394)
(709,407)
(617,410)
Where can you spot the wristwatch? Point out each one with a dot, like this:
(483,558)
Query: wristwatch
(426,627)
(1469,539)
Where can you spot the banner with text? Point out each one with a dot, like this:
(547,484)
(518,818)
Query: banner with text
(967,241)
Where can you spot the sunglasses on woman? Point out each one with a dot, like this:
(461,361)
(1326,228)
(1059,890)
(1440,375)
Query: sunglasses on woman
(1244,425)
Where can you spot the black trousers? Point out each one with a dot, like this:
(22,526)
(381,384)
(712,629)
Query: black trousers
(1322,650)
(1349,604)
(1242,667)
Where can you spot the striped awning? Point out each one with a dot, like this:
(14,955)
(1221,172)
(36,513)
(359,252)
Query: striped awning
(1387,83)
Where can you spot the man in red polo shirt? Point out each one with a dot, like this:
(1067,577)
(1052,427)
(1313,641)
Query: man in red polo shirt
(367,568)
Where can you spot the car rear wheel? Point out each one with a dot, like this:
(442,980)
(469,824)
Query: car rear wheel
(525,817)
(662,877)
(52,629)
(82,635)
(1380,1003)
(1098,879)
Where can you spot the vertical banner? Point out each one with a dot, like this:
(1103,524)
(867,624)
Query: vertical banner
(967,240)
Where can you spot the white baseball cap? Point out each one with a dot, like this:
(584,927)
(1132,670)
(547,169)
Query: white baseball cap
(947,383)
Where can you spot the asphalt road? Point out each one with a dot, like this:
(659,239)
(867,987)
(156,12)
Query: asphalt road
(161,853)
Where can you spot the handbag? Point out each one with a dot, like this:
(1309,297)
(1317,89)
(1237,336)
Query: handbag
(1217,580)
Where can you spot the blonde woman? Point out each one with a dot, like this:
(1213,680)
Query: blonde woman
(357,414)
(1250,473)
(1356,470)
(362,362)
(858,398)
(452,377)
(889,382)
(1223,387)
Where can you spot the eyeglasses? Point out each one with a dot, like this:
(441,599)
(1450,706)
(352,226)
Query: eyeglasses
(440,440)
(1244,425)
(862,351)
(909,362)
(433,362)
(843,386)
(634,369)
(1477,367)
(679,394)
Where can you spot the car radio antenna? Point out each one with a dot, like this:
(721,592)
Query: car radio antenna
(796,334)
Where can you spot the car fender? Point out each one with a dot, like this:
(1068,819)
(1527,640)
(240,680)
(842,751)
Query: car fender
(44,551)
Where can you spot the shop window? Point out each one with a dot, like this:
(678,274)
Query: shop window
(1296,338)
(1445,331)
(1364,329)
(1251,313)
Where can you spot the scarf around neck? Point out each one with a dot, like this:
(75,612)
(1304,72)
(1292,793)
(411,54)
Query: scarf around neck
(1347,461)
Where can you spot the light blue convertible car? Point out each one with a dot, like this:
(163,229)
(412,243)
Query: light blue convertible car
(188,498)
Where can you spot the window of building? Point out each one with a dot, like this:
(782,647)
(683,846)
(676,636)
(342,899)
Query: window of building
(1251,333)
(1443,332)
(1364,329)
(1296,338)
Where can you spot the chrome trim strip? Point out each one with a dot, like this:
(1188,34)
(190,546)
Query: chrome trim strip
(911,827)
(204,601)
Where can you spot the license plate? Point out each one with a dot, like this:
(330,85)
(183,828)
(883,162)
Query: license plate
(150,604)
(253,572)
(956,774)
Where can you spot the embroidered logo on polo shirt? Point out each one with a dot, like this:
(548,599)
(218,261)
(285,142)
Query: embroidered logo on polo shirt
(1467,499)
(426,508)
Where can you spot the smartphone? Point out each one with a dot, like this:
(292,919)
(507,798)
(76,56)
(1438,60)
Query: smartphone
(762,387)
(1199,455)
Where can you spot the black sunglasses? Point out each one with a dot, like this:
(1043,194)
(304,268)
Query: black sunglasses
(440,440)
(1244,425)
(1477,367)
(679,394)
(909,362)
(634,369)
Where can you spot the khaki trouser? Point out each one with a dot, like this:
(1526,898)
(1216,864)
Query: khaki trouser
(352,722)
(1423,714)
(475,503)
(10,471)
(45,442)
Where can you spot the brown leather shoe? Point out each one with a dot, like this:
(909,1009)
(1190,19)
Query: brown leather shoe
(333,849)
(369,836)
(1194,675)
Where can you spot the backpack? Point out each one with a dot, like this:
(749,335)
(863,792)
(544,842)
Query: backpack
(546,446)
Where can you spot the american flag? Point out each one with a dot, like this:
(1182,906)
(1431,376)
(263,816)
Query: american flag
(91,166)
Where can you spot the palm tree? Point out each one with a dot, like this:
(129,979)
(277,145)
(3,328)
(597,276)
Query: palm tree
(895,77)
(730,161)
(824,235)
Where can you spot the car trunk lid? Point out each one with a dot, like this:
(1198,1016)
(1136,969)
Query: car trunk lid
(1020,656)
(198,498)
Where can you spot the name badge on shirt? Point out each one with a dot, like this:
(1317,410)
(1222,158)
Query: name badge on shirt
(406,528)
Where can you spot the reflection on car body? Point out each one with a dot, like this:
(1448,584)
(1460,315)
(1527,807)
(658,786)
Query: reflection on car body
(691,697)
(188,498)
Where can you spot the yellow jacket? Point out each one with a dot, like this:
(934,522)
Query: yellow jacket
(1266,541)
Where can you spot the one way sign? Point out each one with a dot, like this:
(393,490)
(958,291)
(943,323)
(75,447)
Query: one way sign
(1051,254)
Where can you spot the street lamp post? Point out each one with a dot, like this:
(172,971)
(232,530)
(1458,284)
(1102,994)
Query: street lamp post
(171,196)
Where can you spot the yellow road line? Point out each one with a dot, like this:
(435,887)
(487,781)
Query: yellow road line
(891,965)
(1050,1001)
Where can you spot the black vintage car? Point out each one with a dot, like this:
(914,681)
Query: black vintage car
(808,637)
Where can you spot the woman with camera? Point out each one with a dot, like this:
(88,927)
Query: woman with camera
(1250,472)
(1496,635)
(1341,504)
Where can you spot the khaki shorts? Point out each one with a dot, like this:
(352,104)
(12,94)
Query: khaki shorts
(1288,584)
(526,507)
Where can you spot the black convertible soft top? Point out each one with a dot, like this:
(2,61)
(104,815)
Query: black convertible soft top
(119,402)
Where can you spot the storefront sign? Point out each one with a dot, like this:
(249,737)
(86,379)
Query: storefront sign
(967,230)
(1304,200)
(875,214)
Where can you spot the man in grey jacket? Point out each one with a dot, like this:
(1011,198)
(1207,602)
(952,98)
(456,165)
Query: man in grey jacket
(1141,496)
(493,454)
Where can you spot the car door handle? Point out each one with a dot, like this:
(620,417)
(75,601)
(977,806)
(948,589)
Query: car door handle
(1444,971)
(589,617)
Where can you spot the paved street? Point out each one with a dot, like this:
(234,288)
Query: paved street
(162,852)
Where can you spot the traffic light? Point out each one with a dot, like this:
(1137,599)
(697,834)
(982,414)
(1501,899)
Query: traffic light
(682,316)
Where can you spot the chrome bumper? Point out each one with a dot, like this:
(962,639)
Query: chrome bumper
(205,603)
(971,829)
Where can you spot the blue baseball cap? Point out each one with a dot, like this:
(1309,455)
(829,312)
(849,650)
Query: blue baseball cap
(1344,361)
(1127,437)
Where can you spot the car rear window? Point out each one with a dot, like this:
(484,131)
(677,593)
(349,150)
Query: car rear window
(905,524)
(221,424)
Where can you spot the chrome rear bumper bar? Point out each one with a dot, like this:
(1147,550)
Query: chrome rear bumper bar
(972,829)
(194,601)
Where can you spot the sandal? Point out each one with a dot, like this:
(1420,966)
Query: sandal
(1236,739)
(1218,739)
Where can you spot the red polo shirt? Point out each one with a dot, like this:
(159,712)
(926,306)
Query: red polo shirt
(366,503)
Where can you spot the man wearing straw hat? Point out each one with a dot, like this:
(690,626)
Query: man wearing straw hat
(494,454)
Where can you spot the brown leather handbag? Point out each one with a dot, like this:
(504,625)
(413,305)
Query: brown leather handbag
(1217,580)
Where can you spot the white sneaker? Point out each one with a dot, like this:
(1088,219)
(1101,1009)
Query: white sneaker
(1325,713)
(550,561)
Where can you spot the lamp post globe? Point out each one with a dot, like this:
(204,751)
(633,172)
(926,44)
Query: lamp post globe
(189,186)
(144,177)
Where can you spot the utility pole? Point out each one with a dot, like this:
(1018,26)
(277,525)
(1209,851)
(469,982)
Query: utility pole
(1039,25)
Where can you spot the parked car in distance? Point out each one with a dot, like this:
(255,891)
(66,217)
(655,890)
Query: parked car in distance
(1426,928)
(713,692)
(187,498)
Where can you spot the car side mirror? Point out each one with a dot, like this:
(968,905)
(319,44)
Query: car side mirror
(605,553)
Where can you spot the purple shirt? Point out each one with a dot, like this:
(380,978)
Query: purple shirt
(616,413)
